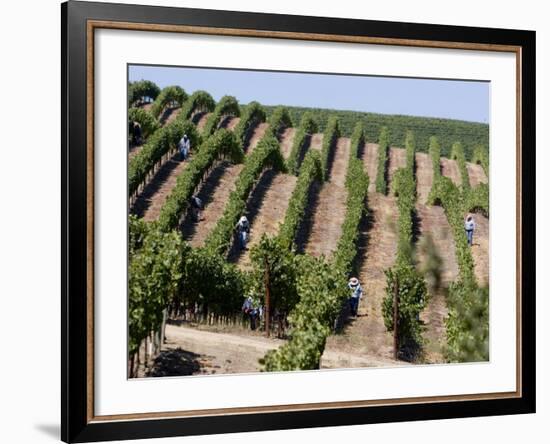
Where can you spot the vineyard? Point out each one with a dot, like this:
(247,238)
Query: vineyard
(329,195)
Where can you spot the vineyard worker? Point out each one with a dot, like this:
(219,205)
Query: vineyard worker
(356,295)
(196,207)
(250,311)
(469,226)
(243,228)
(137,133)
(184,146)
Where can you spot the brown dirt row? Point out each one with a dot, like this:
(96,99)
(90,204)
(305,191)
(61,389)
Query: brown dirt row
(229,122)
(449,168)
(330,210)
(316,141)
(433,224)
(153,197)
(476,174)
(286,138)
(370,158)
(480,249)
(367,335)
(266,210)
(200,120)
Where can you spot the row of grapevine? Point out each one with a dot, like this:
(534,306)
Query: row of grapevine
(171,96)
(250,117)
(142,91)
(145,119)
(357,183)
(221,144)
(481,156)
(322,286)
(309,172)
(307,127)
(159,144)
(227,106)
(222,292)
(447,131)
(403,276)
(383,159)
(154,274)
(279,119)
(330,136)
(467,324)
(199,101)
(457,154)
(266,155)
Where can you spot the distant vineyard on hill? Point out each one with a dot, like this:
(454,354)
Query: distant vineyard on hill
(447,131)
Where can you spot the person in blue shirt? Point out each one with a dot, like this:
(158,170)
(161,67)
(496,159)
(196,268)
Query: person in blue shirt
(184,146)
(469,227)
(251,311)
(356,295)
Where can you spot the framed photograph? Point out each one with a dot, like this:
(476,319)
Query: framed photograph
(275,221)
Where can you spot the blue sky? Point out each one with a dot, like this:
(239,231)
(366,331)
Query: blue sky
(463,100)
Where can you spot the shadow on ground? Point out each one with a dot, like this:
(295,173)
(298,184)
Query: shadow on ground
(175,362)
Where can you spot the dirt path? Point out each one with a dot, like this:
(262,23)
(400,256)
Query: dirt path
(286,138)
(424,177)
(476,174)
(316,141)
(377,248)
(370,160)
(266,210)
(257,135)
(200,120)
(214,194)
(480,249)
(190,351)
(432,223)
(169,115)
(229,122)
(153,197)
(330,210)
(449,168)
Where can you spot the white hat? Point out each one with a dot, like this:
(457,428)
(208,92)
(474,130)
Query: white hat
(354,281)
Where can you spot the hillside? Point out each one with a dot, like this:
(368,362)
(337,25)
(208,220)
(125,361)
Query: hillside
(447,131)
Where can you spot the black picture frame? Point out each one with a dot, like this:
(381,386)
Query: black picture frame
(76,423)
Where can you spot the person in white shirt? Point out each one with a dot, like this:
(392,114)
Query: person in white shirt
(469,227)
(243,228)
(356,295)
(184,146)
